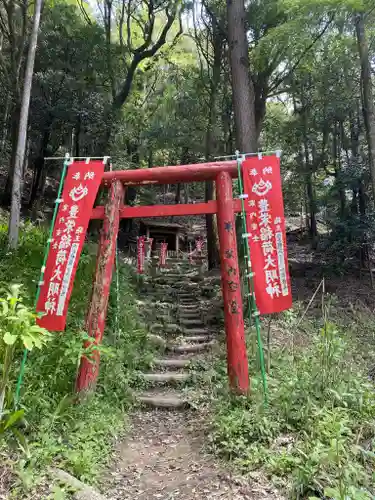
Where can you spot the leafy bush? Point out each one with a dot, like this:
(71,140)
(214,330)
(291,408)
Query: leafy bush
(17,329)
(316,435)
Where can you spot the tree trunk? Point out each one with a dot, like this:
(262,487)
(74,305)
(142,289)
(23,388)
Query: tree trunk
(311,199)
(14,130)
(177,199)
(77,137)
(15,210)
(367,98)
(226,117)
(242,85)
(211,148)
(186,192)
(150,159)
(4,132)
(39,165)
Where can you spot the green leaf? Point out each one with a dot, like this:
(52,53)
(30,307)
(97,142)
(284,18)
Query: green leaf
(9,339)
(13,418)
(28,342)
(4,305)
(22,442)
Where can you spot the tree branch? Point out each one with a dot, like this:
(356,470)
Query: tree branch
(142,53)
(84,12)
(300,59)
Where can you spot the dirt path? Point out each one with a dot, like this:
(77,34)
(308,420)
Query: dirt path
(163,458)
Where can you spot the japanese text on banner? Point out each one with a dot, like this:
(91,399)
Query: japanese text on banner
(267,237)
(80,189)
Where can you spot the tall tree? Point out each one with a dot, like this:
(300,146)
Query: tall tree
(367,95)
(14,32)
(142,28)
(14,220)
(242,85)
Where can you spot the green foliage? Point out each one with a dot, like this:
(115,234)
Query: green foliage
(17,329)
(17,323)
(313,436)
(75,437)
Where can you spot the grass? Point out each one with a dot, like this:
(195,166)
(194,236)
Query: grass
(77,438)
(316,437)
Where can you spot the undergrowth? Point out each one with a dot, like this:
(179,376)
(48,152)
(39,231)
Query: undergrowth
(59,432)
(316,436)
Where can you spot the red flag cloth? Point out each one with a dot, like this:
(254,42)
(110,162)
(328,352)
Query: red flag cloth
(80,189)
(163,254)
(266,233)
(141,254)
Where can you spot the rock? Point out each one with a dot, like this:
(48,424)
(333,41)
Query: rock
(82,491)
(157,340)
(163,400)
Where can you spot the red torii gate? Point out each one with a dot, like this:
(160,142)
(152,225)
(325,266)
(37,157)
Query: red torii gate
(224,206)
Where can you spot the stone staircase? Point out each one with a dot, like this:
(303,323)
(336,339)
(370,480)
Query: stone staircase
(177,327)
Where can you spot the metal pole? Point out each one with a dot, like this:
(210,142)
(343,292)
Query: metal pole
(276,152)
(72,158)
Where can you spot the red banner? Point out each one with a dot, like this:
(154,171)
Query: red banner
(163,254)
(80,189)
(141,251)
(266,232)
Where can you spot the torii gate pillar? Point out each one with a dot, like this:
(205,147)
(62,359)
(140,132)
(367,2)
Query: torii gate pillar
(95,321)
(238,371)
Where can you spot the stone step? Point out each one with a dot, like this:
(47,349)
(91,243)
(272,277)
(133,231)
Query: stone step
(172,363)
(189,313)
(191,321)
(194,316)
(195,331)
(192,348)
(166,377)
(187,307)
(196,339)
(163,400)
(173,275)
(172,328)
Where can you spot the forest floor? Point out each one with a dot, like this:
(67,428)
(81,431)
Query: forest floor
(164,457)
